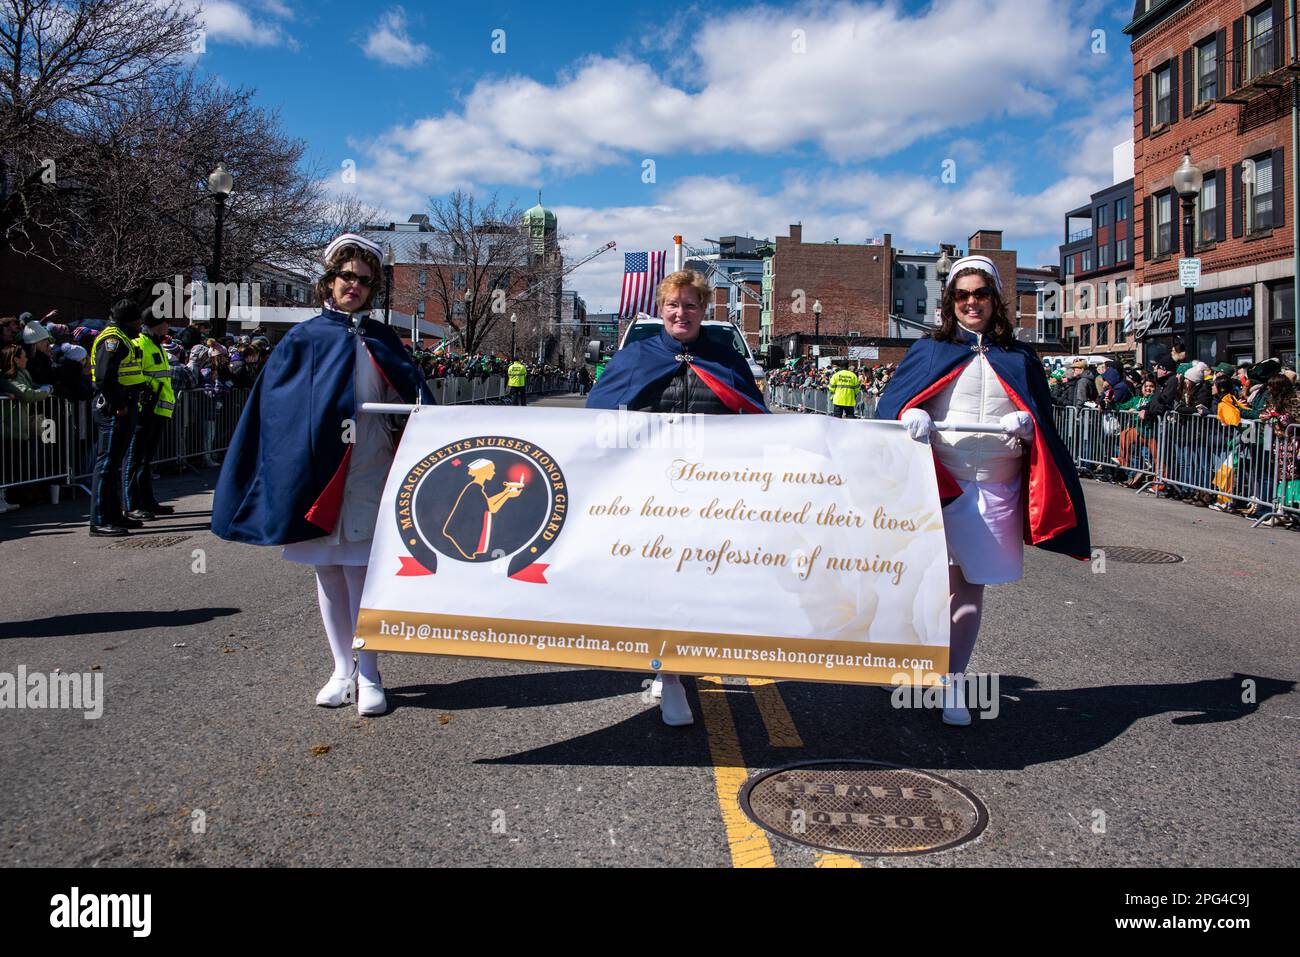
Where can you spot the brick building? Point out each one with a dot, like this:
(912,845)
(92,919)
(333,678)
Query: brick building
(1213,78)
(852,282)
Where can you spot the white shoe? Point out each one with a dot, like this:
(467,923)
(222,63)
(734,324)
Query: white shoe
(657,687)
(338,691)
(954,700)
(673,706)
(371,699)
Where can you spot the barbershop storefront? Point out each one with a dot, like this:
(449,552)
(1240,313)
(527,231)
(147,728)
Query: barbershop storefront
(1224,322)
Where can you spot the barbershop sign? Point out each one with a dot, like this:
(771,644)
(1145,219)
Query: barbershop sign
(1222,307)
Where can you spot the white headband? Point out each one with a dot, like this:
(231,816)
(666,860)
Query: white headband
(354,239)
(478,464)
(975,262)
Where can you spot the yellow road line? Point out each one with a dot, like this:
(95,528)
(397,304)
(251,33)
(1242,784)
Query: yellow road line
(781,732)
(748,842)
(836,860)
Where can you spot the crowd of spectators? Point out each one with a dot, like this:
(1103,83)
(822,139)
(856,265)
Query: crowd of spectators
(803,373)
(1195,392)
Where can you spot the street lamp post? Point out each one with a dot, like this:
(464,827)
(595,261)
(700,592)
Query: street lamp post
(514,320)
(942,268)
(1187,181)
(219,185)
(389,259)
(817,320)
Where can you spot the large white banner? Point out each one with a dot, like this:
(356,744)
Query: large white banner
(779,545)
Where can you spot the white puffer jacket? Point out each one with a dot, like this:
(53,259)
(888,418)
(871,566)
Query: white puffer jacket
(975,395)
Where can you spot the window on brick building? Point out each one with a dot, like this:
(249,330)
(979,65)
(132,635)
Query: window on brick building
(1069,265)
(1207,212)
(898,306)
(1259,195)
(1101,214)
(1121,209)
(1085,334)
(1103,294)
(1121,289)
(1164,223)
(1085,297)
(458,280)
(1103,333)
(920,306)
(421,279)
(1121,250)
(1164,95)
(1103,255)
(1120,335)
(1259,42)
(1207,71)
(1085,260)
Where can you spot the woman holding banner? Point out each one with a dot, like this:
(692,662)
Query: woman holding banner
(998,489)
(680,370)
(306,468)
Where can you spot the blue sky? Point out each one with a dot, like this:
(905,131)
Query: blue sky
(842,116)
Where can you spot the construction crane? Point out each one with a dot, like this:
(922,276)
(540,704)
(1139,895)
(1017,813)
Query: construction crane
(714,270)
(520,297)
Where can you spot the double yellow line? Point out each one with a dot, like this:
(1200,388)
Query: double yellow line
(748,842)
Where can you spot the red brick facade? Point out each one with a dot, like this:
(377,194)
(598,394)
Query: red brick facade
(1220,136)
(852,282)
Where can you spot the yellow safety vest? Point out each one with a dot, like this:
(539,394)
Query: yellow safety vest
(158,373)
(518,373)
(844,386)
(129,372)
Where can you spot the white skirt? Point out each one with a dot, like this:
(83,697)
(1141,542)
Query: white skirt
(320,551)
(985,528)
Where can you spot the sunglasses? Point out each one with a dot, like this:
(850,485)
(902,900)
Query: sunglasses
(982,294)
(348,276)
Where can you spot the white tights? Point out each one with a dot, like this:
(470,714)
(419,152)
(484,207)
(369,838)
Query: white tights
(338,589)
(965,608)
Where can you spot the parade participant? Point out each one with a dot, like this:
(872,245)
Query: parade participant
(306,468)
(679,370)
(996,486)
(118,380)
(157,405)
(844,386)
(518,382)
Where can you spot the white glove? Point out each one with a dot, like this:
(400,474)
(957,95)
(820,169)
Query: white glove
(1018,425)
(918,423)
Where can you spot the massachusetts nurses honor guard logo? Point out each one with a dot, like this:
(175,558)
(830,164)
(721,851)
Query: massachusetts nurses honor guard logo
(479,501)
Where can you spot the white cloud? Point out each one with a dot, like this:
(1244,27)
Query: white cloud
(230,22)
(919,211)
(391,43)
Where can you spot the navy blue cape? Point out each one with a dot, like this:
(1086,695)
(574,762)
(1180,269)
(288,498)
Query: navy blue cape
(1056,517)
(287,457)
(640,366)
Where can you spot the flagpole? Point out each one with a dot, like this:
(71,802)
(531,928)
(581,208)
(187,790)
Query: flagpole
(677,254)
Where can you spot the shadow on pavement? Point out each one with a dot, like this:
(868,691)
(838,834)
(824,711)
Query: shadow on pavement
(105,622)
(847,721)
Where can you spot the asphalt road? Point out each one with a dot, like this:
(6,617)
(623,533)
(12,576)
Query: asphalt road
(1121,693)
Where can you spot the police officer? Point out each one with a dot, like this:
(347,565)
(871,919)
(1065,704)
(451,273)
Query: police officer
(118,379)
(844,386)
(157,404)
(518,381)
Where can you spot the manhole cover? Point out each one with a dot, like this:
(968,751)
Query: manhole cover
(150,541)
(864,807)
(1136,556)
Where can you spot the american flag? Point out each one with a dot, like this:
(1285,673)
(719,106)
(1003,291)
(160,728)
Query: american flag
(642,272)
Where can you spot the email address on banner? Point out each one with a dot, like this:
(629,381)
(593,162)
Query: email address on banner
(491,636)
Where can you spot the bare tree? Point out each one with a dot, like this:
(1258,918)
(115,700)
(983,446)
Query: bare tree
(480,252)
(61,63)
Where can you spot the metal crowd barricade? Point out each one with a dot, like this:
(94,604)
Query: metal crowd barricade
(1286,455)
(1200,454)
(36,441)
